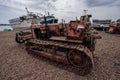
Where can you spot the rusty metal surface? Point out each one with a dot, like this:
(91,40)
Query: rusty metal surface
(57,38)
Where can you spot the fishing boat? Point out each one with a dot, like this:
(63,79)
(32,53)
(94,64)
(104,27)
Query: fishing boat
(26,20)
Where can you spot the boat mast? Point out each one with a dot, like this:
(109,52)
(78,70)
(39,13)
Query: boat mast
(85,12)
(27,10)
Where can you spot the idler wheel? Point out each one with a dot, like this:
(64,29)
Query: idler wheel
(18,40)
(79,60)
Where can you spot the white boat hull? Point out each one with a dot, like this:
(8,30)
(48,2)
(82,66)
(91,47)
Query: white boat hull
(24,24)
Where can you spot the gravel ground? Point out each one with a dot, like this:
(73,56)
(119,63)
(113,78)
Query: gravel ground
(16,64)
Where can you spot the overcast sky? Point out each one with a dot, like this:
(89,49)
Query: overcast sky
(66,9)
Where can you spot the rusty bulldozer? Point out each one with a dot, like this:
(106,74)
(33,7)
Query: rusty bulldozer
(71,44)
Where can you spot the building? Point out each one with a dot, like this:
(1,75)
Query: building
(104,22)
(101,25)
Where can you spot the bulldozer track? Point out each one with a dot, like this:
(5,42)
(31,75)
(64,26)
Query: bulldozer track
(35,46)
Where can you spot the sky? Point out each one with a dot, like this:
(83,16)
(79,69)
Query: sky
(62,9)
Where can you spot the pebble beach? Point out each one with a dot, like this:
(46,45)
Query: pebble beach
(17,64)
